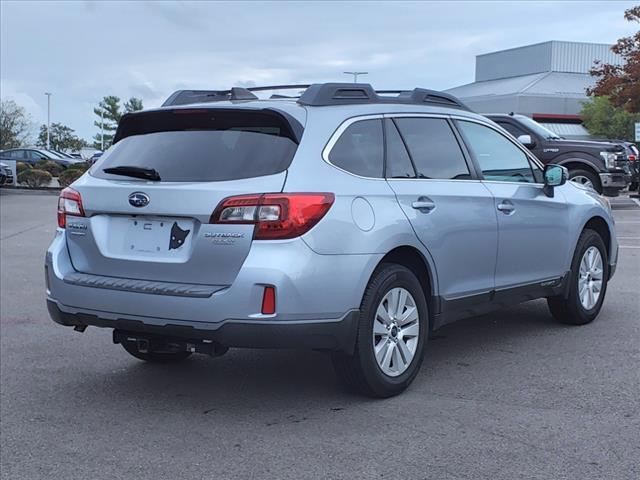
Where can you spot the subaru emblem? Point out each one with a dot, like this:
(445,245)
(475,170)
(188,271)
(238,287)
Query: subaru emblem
(139,199)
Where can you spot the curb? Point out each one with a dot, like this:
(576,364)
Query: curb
(30,191)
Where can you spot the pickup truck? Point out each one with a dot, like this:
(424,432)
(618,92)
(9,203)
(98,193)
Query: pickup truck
(603,166)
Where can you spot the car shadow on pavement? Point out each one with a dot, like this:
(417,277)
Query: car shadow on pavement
(245,381)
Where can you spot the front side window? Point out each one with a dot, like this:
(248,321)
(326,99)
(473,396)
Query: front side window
(433,148)
(499,159)
(360,149)
(35,155)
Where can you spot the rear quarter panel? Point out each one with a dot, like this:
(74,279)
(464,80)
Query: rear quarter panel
(365,218)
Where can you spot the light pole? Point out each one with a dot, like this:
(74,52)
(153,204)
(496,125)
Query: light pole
(48,118)
(102,130)
(355,75)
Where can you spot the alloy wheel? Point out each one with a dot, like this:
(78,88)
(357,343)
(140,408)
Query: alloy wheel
(582,180)
(590,278)
(396,329)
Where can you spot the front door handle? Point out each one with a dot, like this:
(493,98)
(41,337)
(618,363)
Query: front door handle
(424,204)
(506,207)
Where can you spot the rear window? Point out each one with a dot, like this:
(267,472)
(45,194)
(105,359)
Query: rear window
(204,145)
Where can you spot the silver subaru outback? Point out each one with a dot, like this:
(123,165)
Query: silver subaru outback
(344,219)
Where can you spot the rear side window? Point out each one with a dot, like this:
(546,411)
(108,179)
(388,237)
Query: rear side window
(203,145)
(15,154)
(433,148)
(360,149)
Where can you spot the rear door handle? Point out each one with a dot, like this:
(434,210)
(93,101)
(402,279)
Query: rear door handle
(424,204)
(506,207)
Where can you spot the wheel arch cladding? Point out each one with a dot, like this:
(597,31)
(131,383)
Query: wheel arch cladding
(599,225)
(411,258)
(579,164)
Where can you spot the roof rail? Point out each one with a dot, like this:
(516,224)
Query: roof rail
(322,94)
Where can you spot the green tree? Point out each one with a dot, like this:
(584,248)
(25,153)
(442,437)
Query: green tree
(15,125)
(109,114)
(604,120)
(61,138)
(621,83)
(133,105)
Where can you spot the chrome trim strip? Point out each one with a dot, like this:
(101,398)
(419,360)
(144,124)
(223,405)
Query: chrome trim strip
(348,122)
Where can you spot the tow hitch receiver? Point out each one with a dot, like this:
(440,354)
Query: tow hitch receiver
(146,343)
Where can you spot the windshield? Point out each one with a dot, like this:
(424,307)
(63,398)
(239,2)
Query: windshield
(200,147)
(537,128)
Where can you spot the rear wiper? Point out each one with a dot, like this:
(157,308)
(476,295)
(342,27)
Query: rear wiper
(136,172)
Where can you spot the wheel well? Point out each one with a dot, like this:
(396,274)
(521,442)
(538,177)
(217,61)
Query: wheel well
(582,166)
(600,226)
(411,258)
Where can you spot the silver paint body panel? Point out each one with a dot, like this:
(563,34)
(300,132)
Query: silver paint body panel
(468,246)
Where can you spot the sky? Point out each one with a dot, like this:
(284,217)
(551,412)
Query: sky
(81,51)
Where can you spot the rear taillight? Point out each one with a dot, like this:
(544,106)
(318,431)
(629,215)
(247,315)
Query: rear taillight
(632,158)
(277,216)
(69,203)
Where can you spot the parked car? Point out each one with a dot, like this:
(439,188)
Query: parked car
(602,166)
(212,223)
(633,154)
(6,174)
(34,155)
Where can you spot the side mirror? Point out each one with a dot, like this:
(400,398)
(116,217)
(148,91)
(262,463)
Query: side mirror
(527,141)
(554,176)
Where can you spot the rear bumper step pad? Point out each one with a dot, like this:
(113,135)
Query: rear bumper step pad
(142,286)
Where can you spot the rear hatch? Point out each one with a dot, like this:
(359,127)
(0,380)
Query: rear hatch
(151,221)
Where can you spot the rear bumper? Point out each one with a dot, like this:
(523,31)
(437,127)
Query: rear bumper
(329,334)
(316,296)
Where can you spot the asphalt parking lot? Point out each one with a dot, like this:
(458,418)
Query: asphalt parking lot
(502,396)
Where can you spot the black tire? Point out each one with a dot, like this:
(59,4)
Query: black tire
(360,372)
(593,178)
(154,357)
(569,310)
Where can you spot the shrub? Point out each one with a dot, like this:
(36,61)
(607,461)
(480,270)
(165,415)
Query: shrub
(34,177)
(83,167)
(21,167)
(69,176)
(49,166)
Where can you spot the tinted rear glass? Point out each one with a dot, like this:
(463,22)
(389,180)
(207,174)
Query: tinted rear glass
(360,149)
(202,145)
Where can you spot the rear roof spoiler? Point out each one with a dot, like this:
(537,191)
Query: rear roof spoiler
(323,94)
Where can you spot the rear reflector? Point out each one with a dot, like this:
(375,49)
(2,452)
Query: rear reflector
(69,203)
(269,301)
(277,216)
